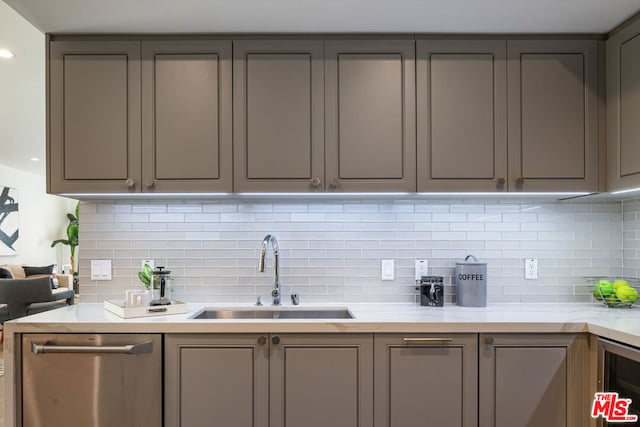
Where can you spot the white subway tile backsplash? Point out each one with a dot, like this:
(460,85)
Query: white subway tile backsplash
(331,250)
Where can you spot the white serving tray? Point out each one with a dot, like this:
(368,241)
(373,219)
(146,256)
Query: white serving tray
(126,312)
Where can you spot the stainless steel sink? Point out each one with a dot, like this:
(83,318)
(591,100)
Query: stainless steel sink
(272,313)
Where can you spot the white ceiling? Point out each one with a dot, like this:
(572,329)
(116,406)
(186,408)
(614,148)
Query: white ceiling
(458,16)
(22,89)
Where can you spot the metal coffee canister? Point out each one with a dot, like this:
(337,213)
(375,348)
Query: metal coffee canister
(471,283)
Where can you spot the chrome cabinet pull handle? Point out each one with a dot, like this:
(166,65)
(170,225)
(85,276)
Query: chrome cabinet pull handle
(145,347)
(431,339)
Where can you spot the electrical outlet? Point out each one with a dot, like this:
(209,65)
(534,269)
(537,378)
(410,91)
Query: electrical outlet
(530,268)
(150,262)
(387,267)
(422,266)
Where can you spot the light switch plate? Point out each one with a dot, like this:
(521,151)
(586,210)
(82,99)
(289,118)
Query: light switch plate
(100,269)
(387,267)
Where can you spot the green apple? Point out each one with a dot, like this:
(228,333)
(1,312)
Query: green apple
(597,295)
(626,293)
(604,287)
(619,283)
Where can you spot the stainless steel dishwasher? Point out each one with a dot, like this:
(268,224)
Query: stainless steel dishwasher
(92,380)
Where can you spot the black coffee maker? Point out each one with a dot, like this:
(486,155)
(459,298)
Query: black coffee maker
(431,291)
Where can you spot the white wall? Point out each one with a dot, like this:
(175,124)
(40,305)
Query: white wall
(42,219)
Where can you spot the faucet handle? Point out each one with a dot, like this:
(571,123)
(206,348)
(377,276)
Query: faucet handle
(258,302)
(295,299)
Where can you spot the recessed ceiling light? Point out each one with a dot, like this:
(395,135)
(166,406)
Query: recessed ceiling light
(4,53)
(35,159)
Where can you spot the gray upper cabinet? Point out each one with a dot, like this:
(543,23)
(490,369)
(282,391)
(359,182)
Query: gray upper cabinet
(426,380)
(278,115)
(623,108)
(462,115)
(370,115)
(553,115)
(94,117)
(114,128)
(554,369)
(186,116)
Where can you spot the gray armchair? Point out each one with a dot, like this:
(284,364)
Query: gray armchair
(30,296)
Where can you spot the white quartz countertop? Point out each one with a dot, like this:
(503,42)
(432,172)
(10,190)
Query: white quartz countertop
(620,324)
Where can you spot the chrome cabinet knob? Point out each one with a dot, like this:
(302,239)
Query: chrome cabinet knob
(500,183)
(275,340)
(334,183)
(130,182)
(489,340)
(149,184)
(519,183)
(315,182)
(262,340)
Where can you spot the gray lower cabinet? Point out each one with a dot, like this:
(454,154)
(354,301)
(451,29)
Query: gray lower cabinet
(216,380)
(186,116)
(250,380)
(534,380)
(426,380)
(370,115)
(623,108)
(321,380)
(278,115)
(553,103)
(462,115)
(93,117)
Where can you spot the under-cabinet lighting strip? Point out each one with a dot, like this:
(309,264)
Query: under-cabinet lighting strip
(629,190)
(332,194)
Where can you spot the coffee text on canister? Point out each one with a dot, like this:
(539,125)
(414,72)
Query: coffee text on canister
(470,276)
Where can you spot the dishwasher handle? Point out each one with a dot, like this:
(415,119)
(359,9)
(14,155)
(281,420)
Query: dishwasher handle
(145,347)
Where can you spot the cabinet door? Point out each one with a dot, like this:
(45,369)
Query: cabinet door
(278,116)
(321,380)
(553,115)
(216,380)
(370,115)
(186,116)
(533,380)
(426,380)
(623,108)
(462,115)
(94,117)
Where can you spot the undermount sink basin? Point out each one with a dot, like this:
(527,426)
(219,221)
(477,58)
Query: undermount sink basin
(273,313)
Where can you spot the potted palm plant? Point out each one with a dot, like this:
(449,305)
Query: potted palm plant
(72,238)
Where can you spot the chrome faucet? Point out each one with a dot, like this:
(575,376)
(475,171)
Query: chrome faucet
(275,293)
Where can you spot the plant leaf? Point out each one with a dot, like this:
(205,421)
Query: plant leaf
(63,241)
